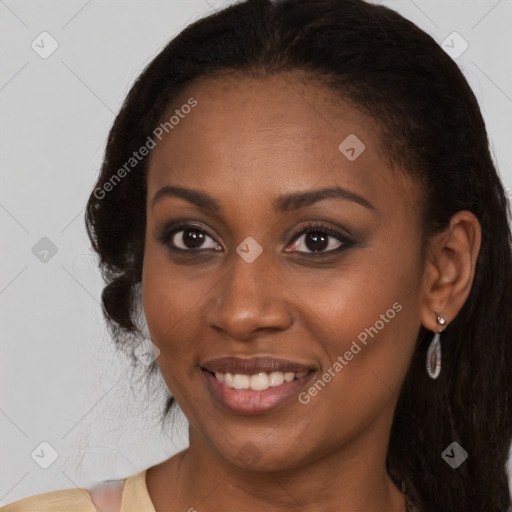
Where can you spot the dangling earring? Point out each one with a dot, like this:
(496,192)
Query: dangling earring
(434,352)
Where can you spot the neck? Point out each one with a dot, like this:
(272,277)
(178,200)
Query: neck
(353,478)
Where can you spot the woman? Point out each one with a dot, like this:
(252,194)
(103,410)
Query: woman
(300,196)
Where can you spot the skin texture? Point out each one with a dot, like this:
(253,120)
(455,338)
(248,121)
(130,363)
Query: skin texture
(246,142)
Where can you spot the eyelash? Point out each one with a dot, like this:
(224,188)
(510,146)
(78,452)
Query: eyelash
(312,227)
(322,229)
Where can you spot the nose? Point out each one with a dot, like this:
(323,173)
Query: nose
(251,299)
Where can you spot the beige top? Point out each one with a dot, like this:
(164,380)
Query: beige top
(135,498)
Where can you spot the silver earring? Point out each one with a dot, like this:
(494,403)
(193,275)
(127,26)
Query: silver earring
(434,352)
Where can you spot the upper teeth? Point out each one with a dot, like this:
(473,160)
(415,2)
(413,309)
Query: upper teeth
(257,382)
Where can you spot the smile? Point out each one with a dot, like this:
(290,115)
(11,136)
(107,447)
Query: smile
(255,386)
(259,381)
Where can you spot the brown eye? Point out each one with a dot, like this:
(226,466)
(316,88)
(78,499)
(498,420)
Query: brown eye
(318,239)
(192,238)
(188,238)
(316,242)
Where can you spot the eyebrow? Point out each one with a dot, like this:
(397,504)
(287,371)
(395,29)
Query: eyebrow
(285,202)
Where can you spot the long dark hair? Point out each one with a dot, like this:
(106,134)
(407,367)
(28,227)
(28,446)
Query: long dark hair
(433,129)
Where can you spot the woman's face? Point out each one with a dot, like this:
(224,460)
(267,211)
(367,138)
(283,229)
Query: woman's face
(233,284)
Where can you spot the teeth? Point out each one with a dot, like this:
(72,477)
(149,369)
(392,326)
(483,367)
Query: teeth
(276,379)
(259,381)
(228,379)
(241,381)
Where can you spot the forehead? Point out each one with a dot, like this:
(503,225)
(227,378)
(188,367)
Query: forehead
(264,136)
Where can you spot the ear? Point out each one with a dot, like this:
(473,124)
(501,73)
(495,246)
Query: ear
(450,269)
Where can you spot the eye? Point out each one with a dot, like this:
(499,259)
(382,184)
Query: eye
(189,238)
(319,239)
(313,239)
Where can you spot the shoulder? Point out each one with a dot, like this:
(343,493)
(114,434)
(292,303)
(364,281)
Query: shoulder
(105,497)
(78,500)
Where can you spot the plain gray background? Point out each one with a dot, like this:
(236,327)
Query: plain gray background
(61,381)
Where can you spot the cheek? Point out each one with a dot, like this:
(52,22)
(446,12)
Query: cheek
(171,294)
(368,345)
(366,317)
(368,294)
(169,308)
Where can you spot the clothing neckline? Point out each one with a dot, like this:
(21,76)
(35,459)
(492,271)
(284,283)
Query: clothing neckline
(135,494)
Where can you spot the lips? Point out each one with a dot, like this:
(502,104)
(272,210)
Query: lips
(254,365)
(257,385)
